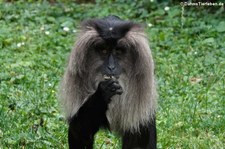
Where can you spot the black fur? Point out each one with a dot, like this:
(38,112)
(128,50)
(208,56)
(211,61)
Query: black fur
(145,139)
(91,116)
(119,28)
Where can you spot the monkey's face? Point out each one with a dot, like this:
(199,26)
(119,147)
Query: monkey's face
(108,62)
(111,60)
(108,49)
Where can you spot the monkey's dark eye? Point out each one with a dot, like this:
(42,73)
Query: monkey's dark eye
(119,51)
(101,49)
(104,51)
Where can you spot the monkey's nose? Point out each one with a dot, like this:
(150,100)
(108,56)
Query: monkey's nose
(111,63)
(111,67)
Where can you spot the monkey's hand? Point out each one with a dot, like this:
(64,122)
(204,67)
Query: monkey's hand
(108,88)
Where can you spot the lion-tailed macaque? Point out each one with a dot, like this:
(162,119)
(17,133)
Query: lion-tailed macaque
(109,83)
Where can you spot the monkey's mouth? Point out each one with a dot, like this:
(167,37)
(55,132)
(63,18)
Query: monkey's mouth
(109,77)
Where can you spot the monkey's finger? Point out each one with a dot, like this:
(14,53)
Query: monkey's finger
(109,82)
(119,91)
(116,87)
(113,89)
(115,81)
(106,83)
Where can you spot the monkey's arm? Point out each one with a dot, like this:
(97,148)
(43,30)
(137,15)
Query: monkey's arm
(97,104)
(91,116)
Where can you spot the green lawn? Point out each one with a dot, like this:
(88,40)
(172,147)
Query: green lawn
(188,45)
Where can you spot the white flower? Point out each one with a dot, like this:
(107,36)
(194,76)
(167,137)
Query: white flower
(150,25)
(66,29)
(151,0)
(42,28)
(20,44)
(167,8)
(74,31)
(47,32)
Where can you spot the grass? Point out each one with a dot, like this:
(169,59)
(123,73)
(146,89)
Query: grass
(188,46)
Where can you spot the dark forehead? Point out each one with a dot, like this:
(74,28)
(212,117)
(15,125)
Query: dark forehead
(111,28)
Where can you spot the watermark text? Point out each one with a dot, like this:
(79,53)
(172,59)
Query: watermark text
(201,4)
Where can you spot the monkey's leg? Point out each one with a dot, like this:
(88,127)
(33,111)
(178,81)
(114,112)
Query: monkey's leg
(84,125)
(146,139)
